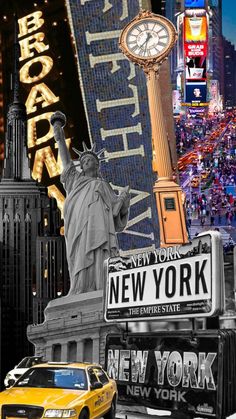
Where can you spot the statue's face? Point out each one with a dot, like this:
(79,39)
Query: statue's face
(89,164)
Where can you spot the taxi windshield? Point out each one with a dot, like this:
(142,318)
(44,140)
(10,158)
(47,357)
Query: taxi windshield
(67,378)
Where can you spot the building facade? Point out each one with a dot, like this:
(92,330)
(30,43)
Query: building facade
(215,42)
(229,74)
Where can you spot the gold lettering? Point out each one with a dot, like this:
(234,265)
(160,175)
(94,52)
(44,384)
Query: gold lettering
(30,23)
(46,64)
(38,45)
(33,140)
(53,192)
(40,93)
(44,156)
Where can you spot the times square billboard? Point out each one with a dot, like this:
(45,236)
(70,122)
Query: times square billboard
(194,4)
(72,63)
(195,56)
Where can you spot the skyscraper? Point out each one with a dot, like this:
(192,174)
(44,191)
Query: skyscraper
(229,74)
(215,43)
(24,209)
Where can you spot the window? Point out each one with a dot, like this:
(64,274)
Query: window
(102,376)
(70,378)
(88,350)
(92,376)
(56,352)
(72,351)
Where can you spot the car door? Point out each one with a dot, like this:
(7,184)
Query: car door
(96,397)
(107,389)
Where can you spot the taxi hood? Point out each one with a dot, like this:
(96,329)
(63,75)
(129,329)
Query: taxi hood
(49,398)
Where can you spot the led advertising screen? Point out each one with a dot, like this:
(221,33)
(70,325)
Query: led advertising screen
(196,111)
(195,28)
(215,104)
(194,3)
(195,92)
(195,68)
(176,100)
(214,89)
(195,49)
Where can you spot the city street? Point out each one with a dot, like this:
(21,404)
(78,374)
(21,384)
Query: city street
(208,176)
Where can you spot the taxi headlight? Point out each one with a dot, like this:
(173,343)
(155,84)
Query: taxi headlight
(59,413)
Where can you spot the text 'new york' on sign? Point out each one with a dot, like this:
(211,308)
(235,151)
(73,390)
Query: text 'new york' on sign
(180,281)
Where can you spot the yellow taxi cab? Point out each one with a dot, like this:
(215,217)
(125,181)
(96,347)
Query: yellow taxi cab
(205,174)
(195,181)
(61,390)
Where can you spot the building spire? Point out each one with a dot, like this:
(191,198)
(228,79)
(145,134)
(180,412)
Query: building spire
(16,78)
(16,161)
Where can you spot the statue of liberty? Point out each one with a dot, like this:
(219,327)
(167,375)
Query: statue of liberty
(93,213)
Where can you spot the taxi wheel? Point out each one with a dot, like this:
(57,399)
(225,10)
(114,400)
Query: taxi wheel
(112,412)
(84,414)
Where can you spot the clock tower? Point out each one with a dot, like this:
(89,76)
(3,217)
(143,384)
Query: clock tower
(147,41)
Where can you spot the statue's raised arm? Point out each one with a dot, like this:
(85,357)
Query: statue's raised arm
(58,121)
(93,213)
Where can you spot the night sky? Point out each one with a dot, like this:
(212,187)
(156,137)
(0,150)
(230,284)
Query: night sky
(229,20)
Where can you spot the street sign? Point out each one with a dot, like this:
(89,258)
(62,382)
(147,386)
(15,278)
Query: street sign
(192,372)
(180,281)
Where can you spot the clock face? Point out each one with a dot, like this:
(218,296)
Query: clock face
(148,38)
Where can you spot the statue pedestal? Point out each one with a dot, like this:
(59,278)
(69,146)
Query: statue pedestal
(73,330)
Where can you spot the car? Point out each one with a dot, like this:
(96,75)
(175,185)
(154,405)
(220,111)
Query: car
(61,390)
(21,368)
(195,181)
(205,174)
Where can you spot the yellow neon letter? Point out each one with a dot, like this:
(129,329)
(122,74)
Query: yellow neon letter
(46,64)
(32,130)
(38,45)
(44,156)
(53,192)
(30,23)
(40,93)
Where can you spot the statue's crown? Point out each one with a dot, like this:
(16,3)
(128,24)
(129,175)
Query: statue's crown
(92,151)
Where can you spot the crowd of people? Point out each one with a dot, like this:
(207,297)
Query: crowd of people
(213,203)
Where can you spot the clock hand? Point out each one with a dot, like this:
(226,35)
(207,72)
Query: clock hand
(144,42)
(148,38)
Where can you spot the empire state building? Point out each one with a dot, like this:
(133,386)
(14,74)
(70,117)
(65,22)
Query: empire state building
(32,252)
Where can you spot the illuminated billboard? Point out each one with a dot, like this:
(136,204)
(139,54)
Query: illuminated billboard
(176,100)
(195,68)
(195,93)
(215,104)
(198,49)
(196,111)
(214,89)
(194,3)
(195,28)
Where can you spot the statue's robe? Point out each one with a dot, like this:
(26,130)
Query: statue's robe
(90,228)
